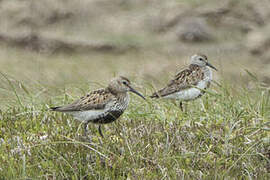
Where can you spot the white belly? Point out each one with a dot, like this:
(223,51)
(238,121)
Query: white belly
(90,115)
(189,94)
(84,116)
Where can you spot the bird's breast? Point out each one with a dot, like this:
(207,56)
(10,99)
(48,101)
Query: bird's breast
(121,103)
(108,117)
(207,74)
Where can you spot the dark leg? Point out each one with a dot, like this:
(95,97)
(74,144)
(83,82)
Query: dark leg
(100,132)
(181,105)
(85,129)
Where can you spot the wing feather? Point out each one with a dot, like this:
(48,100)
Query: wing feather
(95,100)
(182,80)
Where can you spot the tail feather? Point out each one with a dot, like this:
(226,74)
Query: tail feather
(154,95)
(66,108)
(55,108)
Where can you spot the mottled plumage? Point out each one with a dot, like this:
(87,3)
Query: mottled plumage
(182,80)
(189,83)
(103,105)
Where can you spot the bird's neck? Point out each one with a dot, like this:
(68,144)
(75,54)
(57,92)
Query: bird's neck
(207,73)
(122,96)
(123,99)
(111,90)
(194,67)
(205,69)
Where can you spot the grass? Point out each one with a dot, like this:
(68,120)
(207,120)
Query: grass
(223,135)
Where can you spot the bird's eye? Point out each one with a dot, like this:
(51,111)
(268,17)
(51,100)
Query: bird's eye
(200,59)
(124,82)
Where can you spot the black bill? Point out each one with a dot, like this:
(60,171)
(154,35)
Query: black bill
(211,66)
(136,92)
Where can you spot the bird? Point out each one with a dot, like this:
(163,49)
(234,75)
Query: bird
(190,83)
(101,106)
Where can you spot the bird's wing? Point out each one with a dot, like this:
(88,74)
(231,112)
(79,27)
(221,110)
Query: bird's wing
(95,100)
(182,80)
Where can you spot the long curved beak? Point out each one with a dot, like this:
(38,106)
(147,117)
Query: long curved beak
(211,66)
(136,92)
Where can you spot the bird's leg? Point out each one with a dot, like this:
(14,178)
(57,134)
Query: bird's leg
(85,129)
(181,105)
(99,131)
(85,134)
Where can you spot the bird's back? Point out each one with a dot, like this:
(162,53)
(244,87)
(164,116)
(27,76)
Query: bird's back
(183,80)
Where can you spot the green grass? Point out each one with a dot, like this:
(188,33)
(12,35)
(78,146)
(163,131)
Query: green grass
(223,135)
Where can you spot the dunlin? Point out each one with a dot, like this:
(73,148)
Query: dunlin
(189,83)
(101,106)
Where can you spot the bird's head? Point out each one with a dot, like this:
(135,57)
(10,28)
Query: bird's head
(201,60)
(122,85)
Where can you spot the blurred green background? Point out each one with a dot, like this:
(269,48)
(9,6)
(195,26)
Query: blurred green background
(58,42)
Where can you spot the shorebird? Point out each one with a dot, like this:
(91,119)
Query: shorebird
(101,106)
(189,83)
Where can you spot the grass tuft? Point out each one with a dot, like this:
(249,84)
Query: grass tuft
(225,134)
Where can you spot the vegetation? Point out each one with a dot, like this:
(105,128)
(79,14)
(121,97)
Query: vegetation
(224,135)
(52,51)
